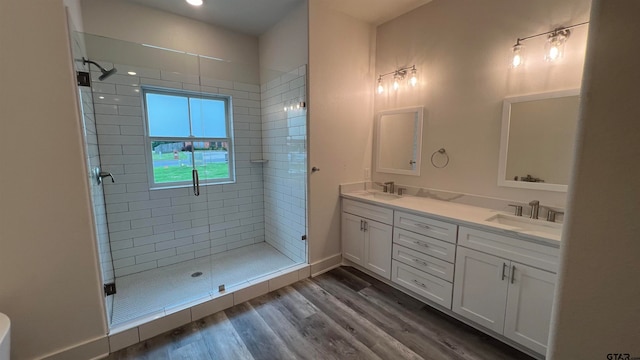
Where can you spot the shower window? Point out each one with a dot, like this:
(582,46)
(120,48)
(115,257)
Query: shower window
(187,131)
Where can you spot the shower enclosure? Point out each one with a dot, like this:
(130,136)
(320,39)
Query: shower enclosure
(209,167)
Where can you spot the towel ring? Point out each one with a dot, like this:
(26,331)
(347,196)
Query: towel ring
(443,152)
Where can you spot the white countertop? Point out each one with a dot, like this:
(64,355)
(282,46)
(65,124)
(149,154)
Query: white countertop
(465,215)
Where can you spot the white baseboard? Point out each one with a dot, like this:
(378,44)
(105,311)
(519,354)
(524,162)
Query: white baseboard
(326,264)
(93,349)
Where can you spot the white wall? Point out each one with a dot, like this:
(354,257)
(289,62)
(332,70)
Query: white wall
(340,117)
(123,20)
(597,309)
(461,49)
(75,14)
(285,46)
(49,282)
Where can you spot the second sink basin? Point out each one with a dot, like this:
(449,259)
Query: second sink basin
(527,224)
(384,196)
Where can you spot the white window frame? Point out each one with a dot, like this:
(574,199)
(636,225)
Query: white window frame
(148,140)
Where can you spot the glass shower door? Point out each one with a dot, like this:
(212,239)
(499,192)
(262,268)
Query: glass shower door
(92,156)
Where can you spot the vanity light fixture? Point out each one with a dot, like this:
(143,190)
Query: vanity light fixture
(554,47)
(194,2)
(380,86)
(413,80)
(398,76)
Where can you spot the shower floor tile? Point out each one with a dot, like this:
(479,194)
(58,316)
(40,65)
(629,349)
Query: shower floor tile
(154,291)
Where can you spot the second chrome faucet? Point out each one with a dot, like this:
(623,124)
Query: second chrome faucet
(535,208)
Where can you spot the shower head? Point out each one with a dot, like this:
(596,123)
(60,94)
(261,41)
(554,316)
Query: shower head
(105,73)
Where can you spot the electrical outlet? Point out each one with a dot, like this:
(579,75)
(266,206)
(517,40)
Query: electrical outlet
(367,174)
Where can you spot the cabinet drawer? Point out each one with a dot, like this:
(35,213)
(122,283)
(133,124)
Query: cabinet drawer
(368,211)
(525,252)
(426,263)
(424,244)
(421,283)
(425,226)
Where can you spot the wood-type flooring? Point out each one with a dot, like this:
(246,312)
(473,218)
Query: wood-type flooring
(342,314)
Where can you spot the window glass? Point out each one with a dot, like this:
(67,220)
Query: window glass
(186,132)
(208,118)
(168,115)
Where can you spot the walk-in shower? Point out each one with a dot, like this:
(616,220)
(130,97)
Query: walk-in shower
(164,116)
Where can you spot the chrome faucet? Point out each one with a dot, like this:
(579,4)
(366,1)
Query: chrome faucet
(391,186)
(535,208)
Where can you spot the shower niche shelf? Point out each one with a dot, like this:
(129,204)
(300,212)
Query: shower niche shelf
(259,161)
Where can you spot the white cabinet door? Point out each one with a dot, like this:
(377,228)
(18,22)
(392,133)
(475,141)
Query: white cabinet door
(529,306)
(377,248)
(480,288)
(353,238)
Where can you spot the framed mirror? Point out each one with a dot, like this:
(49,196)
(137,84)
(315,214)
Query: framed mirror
(538,133)
(398,145)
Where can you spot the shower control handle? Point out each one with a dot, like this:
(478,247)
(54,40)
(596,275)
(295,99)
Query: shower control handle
(101,175)
(104,174)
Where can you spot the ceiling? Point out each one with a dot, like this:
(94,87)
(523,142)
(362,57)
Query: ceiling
(255,17)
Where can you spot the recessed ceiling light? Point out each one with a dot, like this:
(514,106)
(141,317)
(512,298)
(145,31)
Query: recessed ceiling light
(194,2)
(101,97)
(131,73)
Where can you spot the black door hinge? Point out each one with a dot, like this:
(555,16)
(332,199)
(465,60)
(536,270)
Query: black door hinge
(304,237)
(83,78)
(109,289)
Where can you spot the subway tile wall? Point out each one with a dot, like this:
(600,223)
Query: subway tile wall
(284,135)
(154,228)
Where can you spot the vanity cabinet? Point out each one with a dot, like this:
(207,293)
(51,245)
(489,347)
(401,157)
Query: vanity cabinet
(500,292)
(423,256)
(367,236)
(503,283)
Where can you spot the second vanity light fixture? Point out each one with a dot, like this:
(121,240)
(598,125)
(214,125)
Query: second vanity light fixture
(398,76)
(553,49)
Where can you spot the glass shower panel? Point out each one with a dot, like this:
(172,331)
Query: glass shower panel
(159,228)
(92,154)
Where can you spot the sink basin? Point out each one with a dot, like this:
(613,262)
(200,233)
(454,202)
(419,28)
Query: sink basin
(377,195)
(384,196)
(527,225)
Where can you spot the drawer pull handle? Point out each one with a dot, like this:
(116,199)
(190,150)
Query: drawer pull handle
(421,262)
(503,267)
(419,283)
(423,226)
(513,274)
(361,225)
(421,243)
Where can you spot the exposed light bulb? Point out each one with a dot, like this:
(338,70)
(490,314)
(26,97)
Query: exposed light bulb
(554,48)
(396,83)
(380,87)
(298,105)
(517,56)
(413,80)
(194,2)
